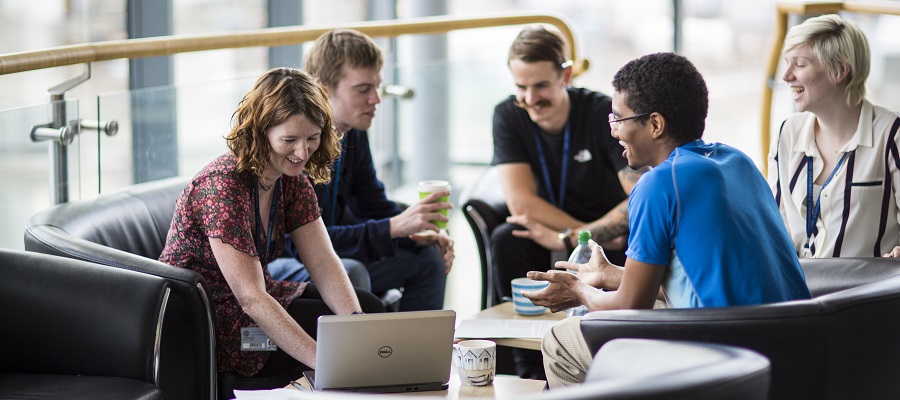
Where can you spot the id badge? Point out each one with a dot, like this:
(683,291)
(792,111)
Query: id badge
(254,339)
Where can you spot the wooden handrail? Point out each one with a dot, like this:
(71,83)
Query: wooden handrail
(784,8)
(282,36)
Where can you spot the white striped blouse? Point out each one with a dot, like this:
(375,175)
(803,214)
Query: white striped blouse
(858,213)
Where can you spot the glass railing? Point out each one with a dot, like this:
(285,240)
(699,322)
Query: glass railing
(26,168)
(165,131)
(175,131)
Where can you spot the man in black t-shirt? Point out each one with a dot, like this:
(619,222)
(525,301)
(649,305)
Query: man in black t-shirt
(552,197)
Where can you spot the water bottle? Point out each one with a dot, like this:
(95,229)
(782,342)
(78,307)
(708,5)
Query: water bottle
(582,252)
(581,255)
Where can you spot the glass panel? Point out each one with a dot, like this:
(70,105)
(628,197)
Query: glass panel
(25,168)
(166,131)
(449,118)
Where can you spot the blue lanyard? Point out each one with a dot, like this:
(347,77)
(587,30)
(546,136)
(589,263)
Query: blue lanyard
(546,172)
(812,212)
(264,257)
(337,181)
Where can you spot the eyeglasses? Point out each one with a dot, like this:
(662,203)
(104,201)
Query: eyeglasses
(613,120)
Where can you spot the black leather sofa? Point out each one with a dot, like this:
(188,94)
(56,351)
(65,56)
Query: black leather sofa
(76,330)
(842,344)
(646,369)
(127,230)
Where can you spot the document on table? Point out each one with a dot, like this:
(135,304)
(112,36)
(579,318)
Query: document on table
(502,328)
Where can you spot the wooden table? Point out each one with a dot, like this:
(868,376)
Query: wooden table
(505,311)
(504,387)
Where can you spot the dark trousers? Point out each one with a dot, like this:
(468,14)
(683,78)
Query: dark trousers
(421,274)
(281,367)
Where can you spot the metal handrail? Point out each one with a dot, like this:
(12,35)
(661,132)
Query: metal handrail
(785,8)
(268,37)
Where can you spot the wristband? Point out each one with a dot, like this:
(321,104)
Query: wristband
(357,312)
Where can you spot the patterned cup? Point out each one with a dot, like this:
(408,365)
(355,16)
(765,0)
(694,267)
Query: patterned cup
(521,304)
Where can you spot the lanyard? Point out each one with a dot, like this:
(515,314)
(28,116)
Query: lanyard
(332,210)
(546,172)
(264,257)
(812,212)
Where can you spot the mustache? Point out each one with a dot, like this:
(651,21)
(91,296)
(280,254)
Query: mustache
(523,104)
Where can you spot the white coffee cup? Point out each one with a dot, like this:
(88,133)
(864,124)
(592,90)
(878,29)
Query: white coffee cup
(476,361)
(521,304)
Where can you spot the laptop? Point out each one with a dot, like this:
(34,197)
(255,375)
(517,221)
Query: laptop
(384,353)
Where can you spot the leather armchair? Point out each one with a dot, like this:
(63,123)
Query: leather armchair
(840,344)
(484,207)
(127,230)
(645,369)
(78,330)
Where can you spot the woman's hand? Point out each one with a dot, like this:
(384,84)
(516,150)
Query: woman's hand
(895,253)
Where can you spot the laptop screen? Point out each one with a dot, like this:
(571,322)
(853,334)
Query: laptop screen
(388,352)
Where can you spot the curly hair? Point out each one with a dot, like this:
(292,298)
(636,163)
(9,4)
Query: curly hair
(668,84)
(326,58)
(276,95)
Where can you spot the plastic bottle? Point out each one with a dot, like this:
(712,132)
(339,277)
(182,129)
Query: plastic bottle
(581,255)
(582,252)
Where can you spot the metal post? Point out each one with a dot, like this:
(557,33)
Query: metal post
(677,26)
(391,164)
(154,145)
(60,134)
(430,110)
(285,13)
(59,173)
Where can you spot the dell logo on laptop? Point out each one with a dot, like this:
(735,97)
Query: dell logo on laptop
(385,352)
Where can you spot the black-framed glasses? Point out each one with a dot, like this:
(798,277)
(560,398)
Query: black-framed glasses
(613,120)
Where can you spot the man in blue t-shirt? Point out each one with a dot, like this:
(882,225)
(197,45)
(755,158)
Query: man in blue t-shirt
(704,228)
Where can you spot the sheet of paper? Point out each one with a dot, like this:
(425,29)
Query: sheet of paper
(502,328)
(274,394)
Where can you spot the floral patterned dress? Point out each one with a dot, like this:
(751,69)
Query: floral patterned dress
(219,203)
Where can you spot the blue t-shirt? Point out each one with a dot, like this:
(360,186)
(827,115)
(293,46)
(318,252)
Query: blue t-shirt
(708,215)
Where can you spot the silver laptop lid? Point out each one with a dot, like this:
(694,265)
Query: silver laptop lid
(377,350)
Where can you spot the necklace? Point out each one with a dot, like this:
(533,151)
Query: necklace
(265,187)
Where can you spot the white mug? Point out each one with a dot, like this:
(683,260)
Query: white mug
(476,361)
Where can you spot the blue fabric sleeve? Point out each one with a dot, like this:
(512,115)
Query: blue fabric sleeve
(651,208)
(366,242)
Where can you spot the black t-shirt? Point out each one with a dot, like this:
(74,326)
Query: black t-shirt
(592,186)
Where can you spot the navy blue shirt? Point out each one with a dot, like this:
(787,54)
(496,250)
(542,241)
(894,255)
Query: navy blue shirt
(355,207)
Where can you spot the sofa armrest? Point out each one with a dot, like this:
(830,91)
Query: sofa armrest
(782,332)
(76,318)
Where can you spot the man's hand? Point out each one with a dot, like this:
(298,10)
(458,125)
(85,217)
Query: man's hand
(895,253)
(559,294)
(598,272)
(537,232)
(417,217)
(442,243)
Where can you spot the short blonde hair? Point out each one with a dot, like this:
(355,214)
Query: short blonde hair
(835,42)
(276,95)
